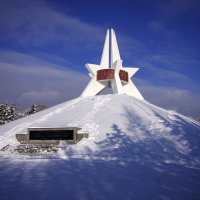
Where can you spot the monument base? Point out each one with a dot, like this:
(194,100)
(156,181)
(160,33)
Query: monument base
(42,136)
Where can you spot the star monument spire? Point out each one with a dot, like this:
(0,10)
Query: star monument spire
(110,72)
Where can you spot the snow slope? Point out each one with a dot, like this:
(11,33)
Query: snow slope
(134,150)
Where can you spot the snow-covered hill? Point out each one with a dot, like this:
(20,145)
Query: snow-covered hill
(134,150)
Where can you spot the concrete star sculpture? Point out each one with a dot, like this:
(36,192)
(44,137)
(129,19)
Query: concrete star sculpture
(117,77)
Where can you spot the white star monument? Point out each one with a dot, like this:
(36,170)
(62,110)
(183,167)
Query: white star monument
(110,72)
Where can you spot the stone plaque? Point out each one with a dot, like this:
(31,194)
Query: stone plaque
(51,134)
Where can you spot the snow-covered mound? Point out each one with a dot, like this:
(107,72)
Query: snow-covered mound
(134,150)
(112,120)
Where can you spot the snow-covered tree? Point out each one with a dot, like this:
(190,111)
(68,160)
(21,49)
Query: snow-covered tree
(2,113)
(32,110)
(7,113)
(12,112)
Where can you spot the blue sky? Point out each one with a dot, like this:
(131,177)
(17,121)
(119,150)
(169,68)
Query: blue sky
(45,44)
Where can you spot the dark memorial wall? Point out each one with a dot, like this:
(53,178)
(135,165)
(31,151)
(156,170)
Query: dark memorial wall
(123,75)
(51,135)
(105,74)
(108,74)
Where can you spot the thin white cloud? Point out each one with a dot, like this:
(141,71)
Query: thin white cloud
(172,9)
(182,100)
(35,23)
(27,79)
(159,27)
(40,96)
(166,68)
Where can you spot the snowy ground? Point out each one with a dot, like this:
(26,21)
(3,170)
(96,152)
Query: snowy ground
(135,150)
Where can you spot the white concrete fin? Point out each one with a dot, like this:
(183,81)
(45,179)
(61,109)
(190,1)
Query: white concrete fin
(116,82)
(131,90)
(115,55)
(105,54)
(92,68)
(117,85)
(131,71)
(117,65)
(97,84)
(93,88)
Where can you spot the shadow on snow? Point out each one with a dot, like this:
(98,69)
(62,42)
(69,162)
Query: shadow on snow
(149,168)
